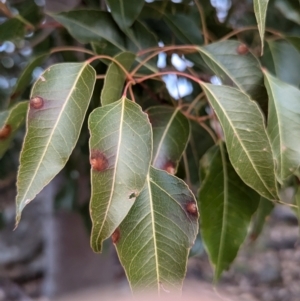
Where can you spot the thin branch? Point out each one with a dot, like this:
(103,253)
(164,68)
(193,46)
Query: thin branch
(128,75)
(194,102)
(247,28)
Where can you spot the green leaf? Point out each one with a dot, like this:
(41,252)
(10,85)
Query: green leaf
(246,138)
(26,77)
(90,25)
(234,69)
(139,37)
(289,11)
(185,29)
(199,142)
(154,239)
(294,40)
(12,29)
(260,10)
(60,98)
(121,150)
(171,131)
(283,125)
(263,211)
(286,60)
(226,206)
(10,121)
(123,13)
(115,77)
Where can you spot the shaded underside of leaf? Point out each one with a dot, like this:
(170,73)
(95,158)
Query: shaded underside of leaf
(121,150)
(63,93)
(115,77)
(260,10)
(284,125)
(226,206)
(10,121)
(246,138)
(286,60)
(155,238)
(234,69)
(171,131)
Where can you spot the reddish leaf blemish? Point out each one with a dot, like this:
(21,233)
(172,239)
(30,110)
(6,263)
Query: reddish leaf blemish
(116,236)
(169,167)
(242,49)
(5,131)
(191,208)
(36,102)
(98,161)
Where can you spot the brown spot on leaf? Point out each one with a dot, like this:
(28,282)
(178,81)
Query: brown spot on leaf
(36,102)
(242,49)
(98,161)
(116,236)
(191,208)
(169,167)
(133,195)
(5,131)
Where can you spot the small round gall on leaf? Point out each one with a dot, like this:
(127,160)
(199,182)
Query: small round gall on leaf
(169,167)
(5,131)
(36,102)
(242,49)
(98,161)
(116,236)
(191,208)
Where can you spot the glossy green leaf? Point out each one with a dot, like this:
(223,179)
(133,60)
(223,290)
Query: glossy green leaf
(91,25)
(115,77)
(226,206)
(10,121)
(53,126)
(264,209)
(185,29)
(246,138)
(121,150)
(124,13)
(284,125)
(260,10)
(286,60)
(26,77)
(171,131)
(154,240)
(234,69)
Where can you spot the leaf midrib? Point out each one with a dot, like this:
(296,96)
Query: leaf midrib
(52,132)
(222,68)
(279,124)
(224,215)
(115,170)
(237,135)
